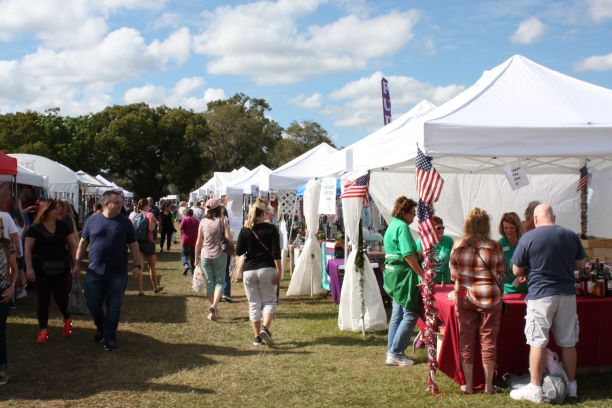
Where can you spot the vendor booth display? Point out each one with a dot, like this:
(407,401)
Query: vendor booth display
(306,277)
(361,306)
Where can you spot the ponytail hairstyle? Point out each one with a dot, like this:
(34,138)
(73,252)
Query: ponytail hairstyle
(142,203)
(257,209)
(44,208)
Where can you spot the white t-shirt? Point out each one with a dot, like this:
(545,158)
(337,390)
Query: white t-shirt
(10,228)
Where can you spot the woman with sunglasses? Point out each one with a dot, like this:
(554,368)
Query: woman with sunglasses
(49,247)
(442,252)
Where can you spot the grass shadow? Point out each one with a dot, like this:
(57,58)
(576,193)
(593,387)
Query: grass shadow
(75,368)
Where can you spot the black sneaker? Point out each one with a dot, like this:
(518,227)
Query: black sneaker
(266,336)
(110,346)
(227,299)
(185,269)
(257,341)
(99,336)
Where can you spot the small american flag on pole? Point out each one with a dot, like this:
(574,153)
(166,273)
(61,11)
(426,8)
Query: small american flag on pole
(428,181)
(583,182)
(357,188)
(427,229)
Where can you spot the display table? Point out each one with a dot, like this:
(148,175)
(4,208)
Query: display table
(335,268)
(512,351)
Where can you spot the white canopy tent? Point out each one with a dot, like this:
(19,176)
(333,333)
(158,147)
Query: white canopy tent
(62,182)
(518,111)
(110,185)
(298,171)
(362,153)
(91,184)
(25,176)
(245,183)
(217,183)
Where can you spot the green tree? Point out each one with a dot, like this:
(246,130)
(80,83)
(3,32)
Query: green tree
(298,139)
(241,134)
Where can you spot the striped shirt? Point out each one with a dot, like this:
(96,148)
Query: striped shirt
(473,274)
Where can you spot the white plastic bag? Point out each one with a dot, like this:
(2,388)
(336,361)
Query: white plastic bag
(198,281)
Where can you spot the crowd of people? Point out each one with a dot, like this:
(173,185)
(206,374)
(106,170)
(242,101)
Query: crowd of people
(535,257)
(41,246)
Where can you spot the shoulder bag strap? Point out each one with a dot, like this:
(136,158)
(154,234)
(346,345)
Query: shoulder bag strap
(487,266)
(261,242)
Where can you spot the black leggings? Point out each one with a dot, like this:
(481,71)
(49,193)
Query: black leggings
(166,235)
(59,285)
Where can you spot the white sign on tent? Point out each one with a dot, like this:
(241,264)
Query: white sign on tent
(516,175)
(327,199)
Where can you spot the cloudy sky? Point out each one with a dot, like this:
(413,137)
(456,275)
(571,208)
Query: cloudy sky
(320,60)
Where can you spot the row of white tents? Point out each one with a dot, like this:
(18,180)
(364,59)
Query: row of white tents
(518,114)
(60,181)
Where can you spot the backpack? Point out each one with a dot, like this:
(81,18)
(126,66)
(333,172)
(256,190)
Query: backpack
(141,227)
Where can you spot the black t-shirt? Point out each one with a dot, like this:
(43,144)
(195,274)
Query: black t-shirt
(48,246)
(256,255)
(166,221)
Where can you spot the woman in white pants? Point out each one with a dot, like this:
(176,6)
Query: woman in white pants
(259,240)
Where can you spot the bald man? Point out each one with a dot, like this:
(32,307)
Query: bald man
(550,253)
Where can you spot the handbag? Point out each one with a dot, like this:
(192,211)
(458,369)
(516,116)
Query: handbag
(76,300)
(53,268)
(227,246)
(237,270)
(197,281)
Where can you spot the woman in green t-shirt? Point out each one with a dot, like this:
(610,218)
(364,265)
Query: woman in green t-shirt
(442,252)
(401,277)
(510,228)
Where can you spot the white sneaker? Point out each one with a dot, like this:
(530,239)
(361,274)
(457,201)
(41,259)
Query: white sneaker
(572,389)
(22,293)
(402,361)
(529,392)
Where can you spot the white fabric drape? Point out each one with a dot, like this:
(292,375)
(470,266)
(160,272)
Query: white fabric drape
(284,244)
(349,314)
(306,278)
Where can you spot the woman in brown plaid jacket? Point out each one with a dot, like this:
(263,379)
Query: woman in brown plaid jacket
(476,264)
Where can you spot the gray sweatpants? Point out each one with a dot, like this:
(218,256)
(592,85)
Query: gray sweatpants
(260,292)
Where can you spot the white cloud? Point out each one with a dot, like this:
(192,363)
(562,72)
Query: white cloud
(600,10)
(262,40)
(168,19)
(63,23)
(310,102)
(359,103)
(187,93)
(595,63)
(48,78)
(430,46)
(528,31)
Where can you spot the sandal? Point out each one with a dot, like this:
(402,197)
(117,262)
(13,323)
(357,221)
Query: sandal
(496,390)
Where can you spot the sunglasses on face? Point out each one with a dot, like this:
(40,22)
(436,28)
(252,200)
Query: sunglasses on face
(440,227)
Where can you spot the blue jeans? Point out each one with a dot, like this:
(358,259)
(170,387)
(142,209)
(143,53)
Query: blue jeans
(400,329)
(4,311)
(214,270)
(105,289)
(188,257)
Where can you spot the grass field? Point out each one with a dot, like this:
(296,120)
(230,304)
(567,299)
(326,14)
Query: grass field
(170,355)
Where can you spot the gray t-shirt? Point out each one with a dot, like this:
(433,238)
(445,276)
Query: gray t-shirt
(549,254)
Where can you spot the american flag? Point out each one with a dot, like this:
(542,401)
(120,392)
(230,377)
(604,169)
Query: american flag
(357,188)
(583,182)
(428,181)
(427,228)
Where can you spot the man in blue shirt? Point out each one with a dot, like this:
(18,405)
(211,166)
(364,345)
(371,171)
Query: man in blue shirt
(550,253)
(109,234)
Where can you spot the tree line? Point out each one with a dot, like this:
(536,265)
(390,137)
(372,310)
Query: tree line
(160,150)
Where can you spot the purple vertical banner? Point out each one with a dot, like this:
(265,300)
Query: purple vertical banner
(386,99)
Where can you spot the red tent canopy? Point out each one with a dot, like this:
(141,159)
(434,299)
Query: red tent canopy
(8,164)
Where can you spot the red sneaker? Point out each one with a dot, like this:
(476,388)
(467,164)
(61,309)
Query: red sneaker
(67,328)
(43,336)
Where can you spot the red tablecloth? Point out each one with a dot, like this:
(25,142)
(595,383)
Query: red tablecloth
(512,351)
